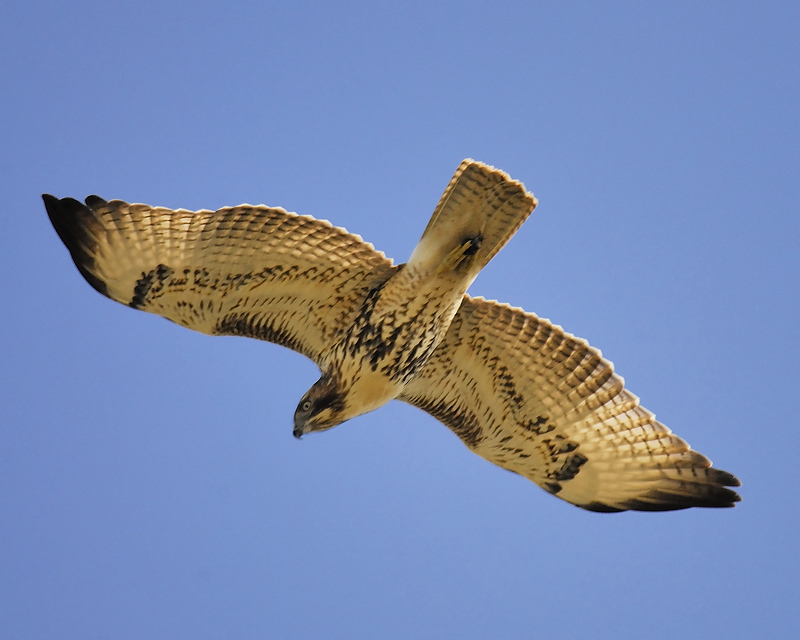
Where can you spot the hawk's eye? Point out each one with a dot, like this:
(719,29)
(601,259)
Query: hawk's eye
(306,405)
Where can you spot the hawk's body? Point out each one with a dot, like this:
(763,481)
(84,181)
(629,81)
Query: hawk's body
(516,389)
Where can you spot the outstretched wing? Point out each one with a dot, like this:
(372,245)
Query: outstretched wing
(533,399)
(250,271)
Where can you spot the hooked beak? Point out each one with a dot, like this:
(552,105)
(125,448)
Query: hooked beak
(299,429)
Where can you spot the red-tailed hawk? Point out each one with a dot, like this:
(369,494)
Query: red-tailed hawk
(516,389)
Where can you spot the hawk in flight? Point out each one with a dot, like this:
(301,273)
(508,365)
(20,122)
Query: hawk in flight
(516,389)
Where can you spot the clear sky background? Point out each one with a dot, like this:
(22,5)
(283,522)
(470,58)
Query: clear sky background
(150,486)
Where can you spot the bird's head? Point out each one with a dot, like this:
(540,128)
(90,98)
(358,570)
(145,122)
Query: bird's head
(321,408)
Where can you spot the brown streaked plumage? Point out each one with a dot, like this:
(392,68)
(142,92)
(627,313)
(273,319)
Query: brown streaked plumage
(516,389)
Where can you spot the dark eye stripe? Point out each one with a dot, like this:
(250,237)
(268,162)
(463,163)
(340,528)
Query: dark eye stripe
(334,401)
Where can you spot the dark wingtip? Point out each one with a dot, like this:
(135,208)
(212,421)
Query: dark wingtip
(727,479)
(94,201)
(717,498)
(78,228)
(680,496)
(600,507)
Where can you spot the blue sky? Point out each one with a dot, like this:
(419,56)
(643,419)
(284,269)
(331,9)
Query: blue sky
(150,486)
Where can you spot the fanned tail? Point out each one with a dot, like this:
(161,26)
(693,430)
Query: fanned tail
(478,213)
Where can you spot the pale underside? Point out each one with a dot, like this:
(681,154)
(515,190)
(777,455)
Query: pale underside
(516,389)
